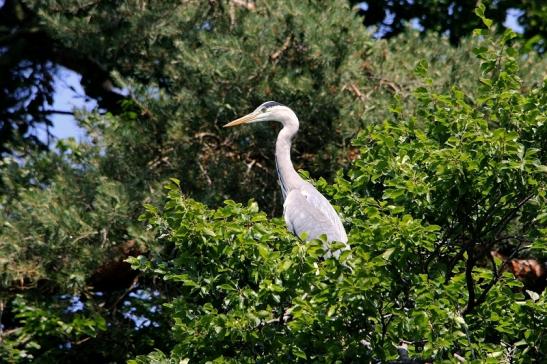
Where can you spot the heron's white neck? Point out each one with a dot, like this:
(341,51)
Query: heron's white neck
(288,177)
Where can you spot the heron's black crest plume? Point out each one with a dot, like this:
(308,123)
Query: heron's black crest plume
(269,104)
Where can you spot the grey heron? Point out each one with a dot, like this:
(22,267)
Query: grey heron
(304,208)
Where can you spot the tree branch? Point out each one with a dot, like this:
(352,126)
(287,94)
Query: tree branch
(470,283)
(61,112)
(33,43)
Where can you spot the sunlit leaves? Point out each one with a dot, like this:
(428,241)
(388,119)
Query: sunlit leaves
(428,198)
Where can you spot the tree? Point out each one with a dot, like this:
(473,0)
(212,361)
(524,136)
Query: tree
(429,198)
(69,215)
(96,38)
(29,58)
(456,18)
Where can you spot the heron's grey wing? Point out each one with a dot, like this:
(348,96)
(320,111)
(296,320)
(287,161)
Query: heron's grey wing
(306,210)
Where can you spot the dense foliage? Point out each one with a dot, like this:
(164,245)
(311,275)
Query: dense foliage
(429,198)
(454,17)
(440,176)
(96,38)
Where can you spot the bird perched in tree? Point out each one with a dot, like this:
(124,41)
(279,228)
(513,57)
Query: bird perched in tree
(304,208)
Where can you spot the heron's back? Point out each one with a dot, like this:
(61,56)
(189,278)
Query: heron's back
(307,210)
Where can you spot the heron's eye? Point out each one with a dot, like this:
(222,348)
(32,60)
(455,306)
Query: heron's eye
(263,110)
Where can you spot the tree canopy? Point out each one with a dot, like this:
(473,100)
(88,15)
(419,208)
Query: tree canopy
(454,18)
(97,38)
(434,155)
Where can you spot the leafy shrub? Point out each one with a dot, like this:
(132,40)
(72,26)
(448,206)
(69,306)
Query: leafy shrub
(430,196)
(413,201)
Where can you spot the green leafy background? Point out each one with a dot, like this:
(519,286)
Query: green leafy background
(433,156)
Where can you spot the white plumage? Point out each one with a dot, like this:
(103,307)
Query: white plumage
(305,209)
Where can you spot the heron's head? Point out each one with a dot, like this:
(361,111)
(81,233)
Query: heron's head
(268,111)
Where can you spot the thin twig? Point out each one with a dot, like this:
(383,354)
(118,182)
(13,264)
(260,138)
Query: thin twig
(470,283)
(125,293)
(245,4)
(283,48)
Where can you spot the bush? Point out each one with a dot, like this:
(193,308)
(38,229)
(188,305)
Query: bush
(447,176)
(430,196)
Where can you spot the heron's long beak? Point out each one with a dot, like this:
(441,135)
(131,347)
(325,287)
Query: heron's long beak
(243,120)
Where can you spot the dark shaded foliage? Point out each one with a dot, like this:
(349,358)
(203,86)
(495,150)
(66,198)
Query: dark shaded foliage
(454,18)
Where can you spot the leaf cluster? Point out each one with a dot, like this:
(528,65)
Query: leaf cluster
(444,175)
(430,196)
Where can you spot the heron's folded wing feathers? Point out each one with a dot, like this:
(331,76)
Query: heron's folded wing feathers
(306,210)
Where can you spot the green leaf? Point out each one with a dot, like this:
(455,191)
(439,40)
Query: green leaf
(421,68)
(479,10)
(388,253)
(299,353)
(263,251)
(151,208)
(487,22)
(176,181)
(227,287)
